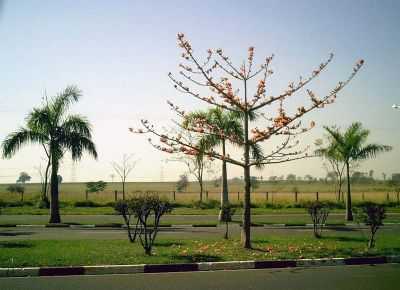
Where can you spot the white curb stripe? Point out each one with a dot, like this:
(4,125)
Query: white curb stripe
(19,272)
(320,262)
(233,265)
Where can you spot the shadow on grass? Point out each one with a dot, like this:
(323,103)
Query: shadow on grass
(14,234)
(345,239)
(168,244)
(194,258)
(15,245)
(340,228)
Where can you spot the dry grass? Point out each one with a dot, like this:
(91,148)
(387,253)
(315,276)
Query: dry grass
(278,192)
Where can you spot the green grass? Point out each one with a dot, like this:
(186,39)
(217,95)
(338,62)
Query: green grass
(20,253)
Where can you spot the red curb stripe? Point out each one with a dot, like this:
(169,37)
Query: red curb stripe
(365,260)
(274,264)
(154,268)
(61,271)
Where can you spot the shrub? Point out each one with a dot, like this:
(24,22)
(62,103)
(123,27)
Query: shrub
(209,204)
(372,215)
(143,208)
(319,212)
(86,203)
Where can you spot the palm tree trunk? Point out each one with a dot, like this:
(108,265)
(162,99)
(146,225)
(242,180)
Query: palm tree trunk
(54,204)
(224,191)
(349,214)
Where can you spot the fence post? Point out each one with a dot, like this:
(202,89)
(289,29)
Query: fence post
(295,196)
(206,194)
(86,194)
(115,195)
(398,197)
(387,197)
(317,196)
(174,194)
(266,196)
(238,197)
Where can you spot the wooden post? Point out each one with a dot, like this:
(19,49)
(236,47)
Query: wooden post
(115,195)
(238,197)
(398,197)
(295,196)
(387,197)
(266,196)
(174,194)
(87,194)
(317,196)
(206,194)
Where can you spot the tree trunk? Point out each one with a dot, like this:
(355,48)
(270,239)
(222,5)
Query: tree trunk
(245,236)
(54,204)
(201,190)
(123,189)
(224,190)
(349,214)
(46,175)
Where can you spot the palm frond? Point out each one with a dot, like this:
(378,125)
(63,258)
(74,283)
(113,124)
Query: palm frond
(16,140)
(79,124)
(63,100)
(371,150)
(77,144)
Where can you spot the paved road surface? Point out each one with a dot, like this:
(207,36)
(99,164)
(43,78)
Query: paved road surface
(34,233)
(179,219)
(380,277)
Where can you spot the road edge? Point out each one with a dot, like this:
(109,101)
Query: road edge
(193,267)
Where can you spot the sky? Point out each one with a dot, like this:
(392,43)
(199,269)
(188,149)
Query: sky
(120,52)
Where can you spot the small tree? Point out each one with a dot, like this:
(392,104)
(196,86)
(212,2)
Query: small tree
(23,177)
(227,211)
(291,177)
(182,183)
(372,215)
(123,208)
(96,186)
(143,208)
(319,213)
(254,182)
(16,188)
(123,169)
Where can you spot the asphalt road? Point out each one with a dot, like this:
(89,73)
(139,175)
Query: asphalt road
(179,219)
(380,277)
(184,232)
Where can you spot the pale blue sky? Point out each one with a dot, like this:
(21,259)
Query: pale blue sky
(119,54)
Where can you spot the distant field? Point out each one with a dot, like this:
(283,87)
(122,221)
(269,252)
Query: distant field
(278,192)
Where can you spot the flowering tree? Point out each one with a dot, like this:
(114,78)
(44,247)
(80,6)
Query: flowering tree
(217,75)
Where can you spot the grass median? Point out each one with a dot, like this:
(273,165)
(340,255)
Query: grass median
(284,245)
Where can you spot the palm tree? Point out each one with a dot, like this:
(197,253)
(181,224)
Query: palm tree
(58,132)
(351,147)
(230,123)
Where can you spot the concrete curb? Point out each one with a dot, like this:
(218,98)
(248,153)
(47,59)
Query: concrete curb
(178,226)
(192,267)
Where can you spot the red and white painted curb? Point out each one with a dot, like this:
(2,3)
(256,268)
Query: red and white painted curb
(191,267)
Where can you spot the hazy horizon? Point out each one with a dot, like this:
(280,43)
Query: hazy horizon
(119,54)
